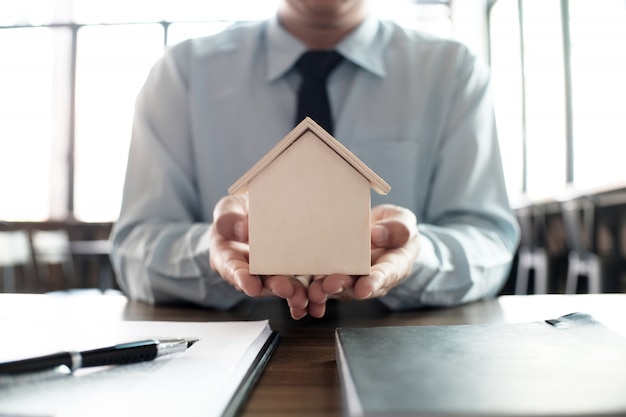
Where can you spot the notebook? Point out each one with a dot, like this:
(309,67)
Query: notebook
(211,378)
(572,365)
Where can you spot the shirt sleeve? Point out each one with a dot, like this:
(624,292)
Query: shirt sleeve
(468,232)
(160,242)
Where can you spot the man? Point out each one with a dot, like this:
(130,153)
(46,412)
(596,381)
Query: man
(416,109)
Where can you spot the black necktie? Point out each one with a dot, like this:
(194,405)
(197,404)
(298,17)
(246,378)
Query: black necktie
(315,66)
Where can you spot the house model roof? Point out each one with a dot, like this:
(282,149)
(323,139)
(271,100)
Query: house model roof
(377,183)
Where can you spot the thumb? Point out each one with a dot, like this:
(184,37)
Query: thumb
(390,233)
(232,226)
(231,218)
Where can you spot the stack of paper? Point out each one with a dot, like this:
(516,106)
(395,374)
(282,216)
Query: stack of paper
(209,379)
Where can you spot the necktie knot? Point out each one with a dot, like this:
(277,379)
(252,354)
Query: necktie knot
(318,64)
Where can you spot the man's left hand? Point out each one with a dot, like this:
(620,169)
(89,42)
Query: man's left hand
(395,248)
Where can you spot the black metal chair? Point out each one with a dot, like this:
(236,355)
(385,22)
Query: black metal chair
(16,266)
(53,258)
(532,253)
(579,220)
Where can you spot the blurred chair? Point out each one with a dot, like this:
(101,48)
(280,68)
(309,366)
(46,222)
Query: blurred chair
(53,258)
(532,253)
(579,219)
(16,260)
(94,264)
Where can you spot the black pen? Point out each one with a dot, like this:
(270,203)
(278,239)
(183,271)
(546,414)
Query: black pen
(121,354)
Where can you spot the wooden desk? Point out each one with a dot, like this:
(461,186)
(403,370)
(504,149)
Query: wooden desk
(301,377)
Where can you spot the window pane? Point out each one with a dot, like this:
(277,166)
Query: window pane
(507,89)
(545,97)
(177,32)
(112,64)
(117,11)
(598,33)
(218,10)
(25,122)
(111,11)
(20,12)
(431,18)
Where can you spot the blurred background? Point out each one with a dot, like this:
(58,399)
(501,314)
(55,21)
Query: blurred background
(70,71)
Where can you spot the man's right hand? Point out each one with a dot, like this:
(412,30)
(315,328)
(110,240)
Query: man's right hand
(229,256)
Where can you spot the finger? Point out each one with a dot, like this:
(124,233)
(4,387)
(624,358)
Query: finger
(298,300)
(231,218)
(251,285)
(331,286)
(392,226)
(298,314)
(317,310)
(335,285)
(316,292)
(288,288)
(279,285)
(230,260)
(390,233)
(372,285)
(391,268)
(390,211)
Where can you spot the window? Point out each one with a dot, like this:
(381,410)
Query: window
(598,57)
(567,60)
(26,120)
(112,63)
(506,59)
(68,90)
(544,97)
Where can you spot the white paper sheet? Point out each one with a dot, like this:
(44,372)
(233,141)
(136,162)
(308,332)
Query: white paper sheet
(197,382)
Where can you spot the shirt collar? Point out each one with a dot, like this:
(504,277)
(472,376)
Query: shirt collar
(365,47)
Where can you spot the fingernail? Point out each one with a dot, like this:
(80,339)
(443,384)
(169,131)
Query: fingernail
(379,235)
(298,316)
(337,291)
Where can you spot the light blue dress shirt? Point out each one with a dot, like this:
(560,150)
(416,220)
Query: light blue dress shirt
(414,108)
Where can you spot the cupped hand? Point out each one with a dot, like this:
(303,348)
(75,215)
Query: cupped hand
(229,256)
(395,248)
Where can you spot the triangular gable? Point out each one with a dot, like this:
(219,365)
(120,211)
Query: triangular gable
(377,183)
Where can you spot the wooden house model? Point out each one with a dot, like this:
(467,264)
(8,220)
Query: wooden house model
(309,206)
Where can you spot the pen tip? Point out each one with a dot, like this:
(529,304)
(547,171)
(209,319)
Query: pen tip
(191,341)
